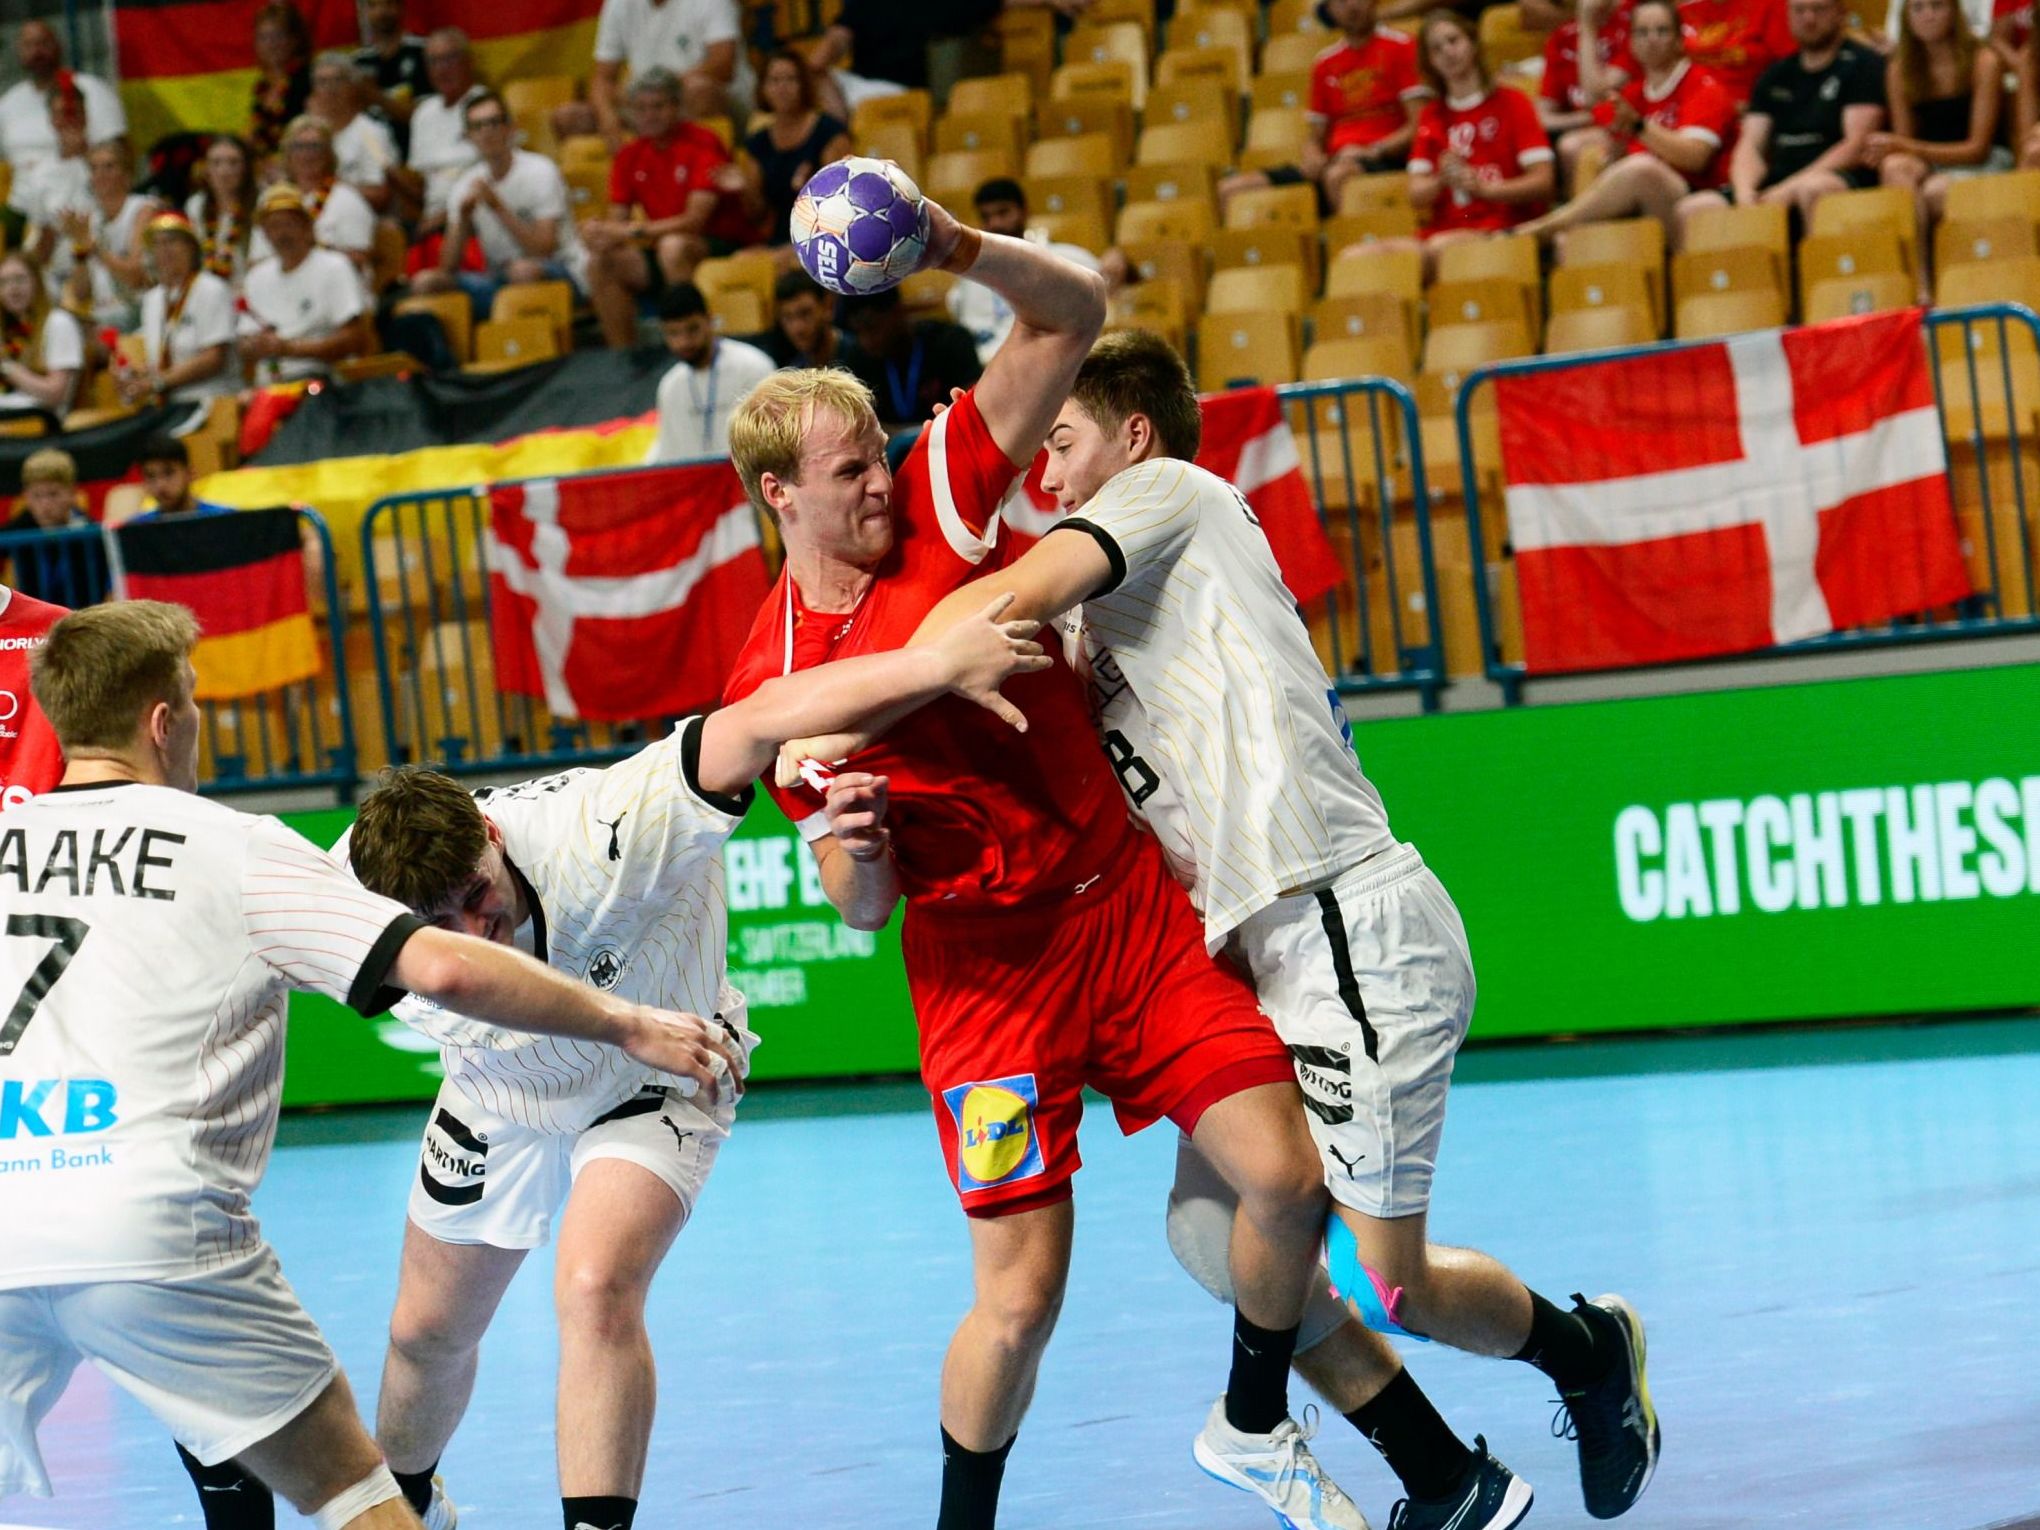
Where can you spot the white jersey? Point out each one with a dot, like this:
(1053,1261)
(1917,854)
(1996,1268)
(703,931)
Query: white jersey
(1225,731)
(623,871)
(151,939)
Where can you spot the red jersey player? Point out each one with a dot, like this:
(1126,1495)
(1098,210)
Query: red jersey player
(1047,947)
(30,760)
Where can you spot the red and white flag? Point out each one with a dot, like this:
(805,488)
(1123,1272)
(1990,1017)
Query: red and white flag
(625,595)
(1721,498)
(1247,442)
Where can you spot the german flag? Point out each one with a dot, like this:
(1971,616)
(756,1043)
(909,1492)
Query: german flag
(243,576)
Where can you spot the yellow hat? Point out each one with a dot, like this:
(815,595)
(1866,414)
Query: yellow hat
(281,197)
(173,223)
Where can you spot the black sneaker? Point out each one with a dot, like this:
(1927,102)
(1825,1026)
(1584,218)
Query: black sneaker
(1489,1497)
(1613,1420)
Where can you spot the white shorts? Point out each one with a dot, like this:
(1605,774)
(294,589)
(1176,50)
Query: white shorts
(224,1359)
(484,1179)
(1370,985)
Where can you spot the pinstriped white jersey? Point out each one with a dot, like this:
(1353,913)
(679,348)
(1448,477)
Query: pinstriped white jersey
(151,940)
(623,871)
(1218,716)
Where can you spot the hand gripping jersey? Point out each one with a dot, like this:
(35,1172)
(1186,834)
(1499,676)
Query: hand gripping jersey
(1229,737)
(151,938)
(30,760)
(981,816)
(1692,103)
(622,869)
(1498,134)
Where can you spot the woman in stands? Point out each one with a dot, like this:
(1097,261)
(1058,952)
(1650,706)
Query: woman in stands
(283,80)
(796,140)
(223,208)
(108,271)
(1672,131)
(187,326)
(42,348)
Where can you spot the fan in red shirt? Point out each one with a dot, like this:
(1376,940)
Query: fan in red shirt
(1481,161)
(30,761)
(1673,130)
(1586,60)
(1047,948)
(1737,40)
(673,201)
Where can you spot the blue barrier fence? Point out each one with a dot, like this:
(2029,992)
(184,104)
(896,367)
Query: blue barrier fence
(1986,366)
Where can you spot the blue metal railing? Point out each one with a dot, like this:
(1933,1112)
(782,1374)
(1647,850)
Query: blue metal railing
(68,566)
(1995,412)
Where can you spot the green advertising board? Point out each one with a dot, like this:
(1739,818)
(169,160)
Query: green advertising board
(1855,847)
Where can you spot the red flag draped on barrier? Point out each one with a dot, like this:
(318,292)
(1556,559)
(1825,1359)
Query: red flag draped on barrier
(1727,497)
(1246,442)
(623,595)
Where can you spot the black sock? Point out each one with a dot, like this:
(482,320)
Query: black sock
(1418,1445)
(416,1487)
(599,1513)
(1257,1392)
(970,1485)
(229,1498)
(1575,1349)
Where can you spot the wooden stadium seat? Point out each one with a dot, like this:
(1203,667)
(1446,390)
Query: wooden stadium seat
(2008,194)
(1194,100)
(531,102)
(1031,54)
(1232,248)
(1398,271)
(1729,228)
(1140,12)
(1738,268)
(1221,66)
(1112,42)
(1287,91)
(1109,81)
(898,141)
(1484,300)
(1296,16)
(1056,195)
(1173,261)
(584,149)
(1086,228)
(1453,350)
(1874,207)
(1206,28)
(916,107)
(1157,307)
(2016,280)
(553,302)
(508,343)
(1993,238)
(1578,287)
(1504,40)
(1276,136)
(1246,350)
(587,190)
(1292,52)
(989,95)
(1088,155)
(926,293)
(1187,219)
(1366,316)
(1372,356)
(1622,241)
(1858,252)
(1176,181)
(1509,258)
(1371,193)
(1839,297)
(739,290)
(1255,289)
(1603,327)
(1370,227)
(739,311)
(1081,115)
(1707,314)
(1206,141)
(985,132)
(454,313)
(956,175)
(1274,207)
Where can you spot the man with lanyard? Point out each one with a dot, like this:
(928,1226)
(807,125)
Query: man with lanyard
(710,378)
(909,367)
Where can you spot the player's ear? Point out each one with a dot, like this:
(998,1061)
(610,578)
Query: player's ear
(489,827)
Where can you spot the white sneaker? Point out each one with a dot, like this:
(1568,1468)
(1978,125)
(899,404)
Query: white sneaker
(440,1514)
(1280,1469)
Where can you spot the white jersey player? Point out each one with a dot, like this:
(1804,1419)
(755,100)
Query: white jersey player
(150,942)
(615,877)
(1230,740)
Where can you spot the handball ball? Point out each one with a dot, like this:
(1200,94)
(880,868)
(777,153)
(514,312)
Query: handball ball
(859,226)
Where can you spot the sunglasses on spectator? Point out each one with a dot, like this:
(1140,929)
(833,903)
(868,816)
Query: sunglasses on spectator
(487,122)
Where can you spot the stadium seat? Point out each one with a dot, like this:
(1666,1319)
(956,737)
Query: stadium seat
(1366,316)
(387,256)
(1874,207)
(455,315)
(1187,218)
(1206,141)
(1208,28)
(1287,90)
(1276,136)
(504,343)
(1175,181)
(1292,52)
(926,293)
(1274,246)
(724,129)
(1026,43)
(1194,100)
(1602,327)
(1839,297)
(1219,66)
(915,107)
(1371,193)
(1087,228)
(1577,287)
(1508,258)
(1728,228)
(1857,252)
(1504,40)
(1088,155)
(1623,241)
(531,102)
(1739,268)
(979,132)
(1372,356)
(1274,207)
(1994,238)
(2009,194)
(1453,350)
(554,303)
(1483,300)
(1110,81)
(1055,195)
(1296,16)
(583,149)
(1112,42)
(1140,12)
(989,95)
(898,141)
(955,176)
(1077,116)
(1399,272)
(1157,307)
(1245,349)
(1370,227)
(2016,280)
(1170,260)
(1255,289)
(587,190)
(729,281)
(1707,314)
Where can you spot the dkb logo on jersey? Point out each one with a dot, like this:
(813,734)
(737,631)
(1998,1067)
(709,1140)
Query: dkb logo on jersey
(56,1107)
(996,1143)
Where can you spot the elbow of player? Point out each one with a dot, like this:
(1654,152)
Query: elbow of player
(439,965)
(1088,311)
(868,920)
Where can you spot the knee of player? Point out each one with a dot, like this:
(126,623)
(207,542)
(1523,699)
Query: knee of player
(596,1299)
(1020,1312)
(1283,1180)
(424,1337)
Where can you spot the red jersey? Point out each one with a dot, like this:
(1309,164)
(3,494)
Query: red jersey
(1693,104)
(1736,40)
(1561,85)
(2019,13)
(1498,134)
(1361,90)
(981,817)
(30,761)
(660,177)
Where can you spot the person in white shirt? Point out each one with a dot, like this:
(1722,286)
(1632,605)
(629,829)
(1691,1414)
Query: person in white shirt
(441,150)
(42,347)
(709,378)
(1002,209)
(153,957)
(364,150)
(514,204)
(341,220)
(27,137)
(700,41)
(302,309)
(187,324)
(97,260)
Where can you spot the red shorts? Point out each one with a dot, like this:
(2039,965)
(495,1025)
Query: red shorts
(1019,1010)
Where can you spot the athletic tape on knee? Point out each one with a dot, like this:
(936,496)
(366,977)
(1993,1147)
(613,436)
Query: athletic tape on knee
(1200,1236)
(376,1488)
(1372,1300)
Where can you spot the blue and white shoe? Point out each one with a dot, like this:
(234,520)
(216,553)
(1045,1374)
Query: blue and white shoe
(1280,1470)
(1488,1497)
(440,1514)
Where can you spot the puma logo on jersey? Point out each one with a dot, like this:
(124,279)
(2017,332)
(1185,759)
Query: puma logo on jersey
(613,826)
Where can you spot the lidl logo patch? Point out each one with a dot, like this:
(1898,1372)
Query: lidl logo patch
(996,1139)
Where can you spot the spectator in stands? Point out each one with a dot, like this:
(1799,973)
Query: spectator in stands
(2026,122)
(666,213)
(57,186)
(395,61)
(910,367)
(42,346)
(1737,39)
(709,378)
(803,332)
(795,141)
(1365,94)
(514,203)
(2011,32)
(1586,60)
(888,39)
(364,150)
(166,478)
(283,78)
(187,324)
(441,151)
(106,270)
(27,135)
(340,218)
(699,41)
(1809,123)
(1002,209)
(1672,129)
(76,573)
(1945,90)
(302,310)
(223,208)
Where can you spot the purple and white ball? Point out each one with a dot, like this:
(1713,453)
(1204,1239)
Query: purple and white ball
(860,225)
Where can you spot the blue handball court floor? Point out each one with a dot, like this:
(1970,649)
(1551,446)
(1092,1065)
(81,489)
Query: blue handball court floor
(1833,1236)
